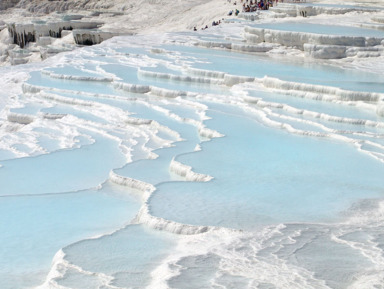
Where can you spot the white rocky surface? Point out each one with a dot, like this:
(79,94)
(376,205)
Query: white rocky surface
(43,28)
(45,22)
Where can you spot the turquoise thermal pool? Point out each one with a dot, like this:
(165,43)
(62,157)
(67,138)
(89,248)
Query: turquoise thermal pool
(158,165)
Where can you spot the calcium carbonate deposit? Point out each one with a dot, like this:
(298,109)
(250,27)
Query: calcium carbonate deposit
(139,149)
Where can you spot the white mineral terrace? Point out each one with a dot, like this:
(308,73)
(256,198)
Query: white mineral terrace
(139,152)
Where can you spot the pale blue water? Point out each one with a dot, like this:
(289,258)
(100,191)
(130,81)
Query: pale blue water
(61,171)
(258,65)
(92,87)
(163,69)
(323,29)
(73,71)
(298,198)
(340,5)
(330,108)
(62,109)
(31,109)
(133,250)
(129,75)
(139,169)
(35,228)
(264,176)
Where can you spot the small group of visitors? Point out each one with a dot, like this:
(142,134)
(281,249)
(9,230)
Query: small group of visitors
(236,12)
(214,23)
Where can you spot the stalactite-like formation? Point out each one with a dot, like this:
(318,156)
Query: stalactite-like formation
(22,34)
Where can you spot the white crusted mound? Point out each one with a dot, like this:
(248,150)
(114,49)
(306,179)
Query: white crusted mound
(319,46)
(135,88)
(187,172)
(130,182)
(319,91)
(103,19)
(208,133)
(155,15)
(260,47)
(153,90)
(77,77)
(214,44)
(183,78)
(65,100)
(144,217)
(157,223)
(206,73)
(20,118)
(316,115)
(298,39)
(138,121)
(163,92)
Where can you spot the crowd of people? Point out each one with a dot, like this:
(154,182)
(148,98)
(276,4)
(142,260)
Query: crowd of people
(252,6)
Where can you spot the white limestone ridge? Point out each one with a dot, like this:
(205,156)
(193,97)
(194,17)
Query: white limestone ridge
(33,30)
(36,29)
(187,173)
